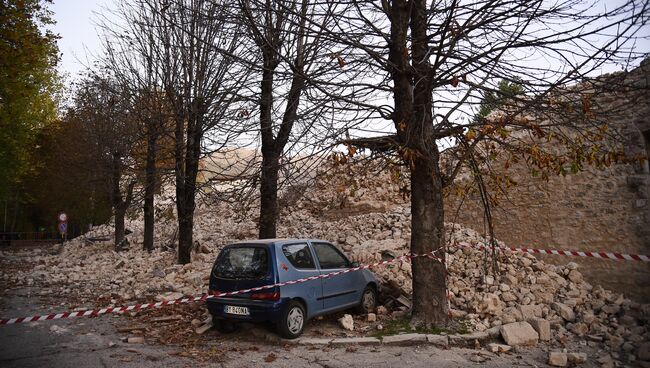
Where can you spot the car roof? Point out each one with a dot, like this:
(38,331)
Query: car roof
(277,241)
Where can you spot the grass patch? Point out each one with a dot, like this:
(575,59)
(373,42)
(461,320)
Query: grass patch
(402,325)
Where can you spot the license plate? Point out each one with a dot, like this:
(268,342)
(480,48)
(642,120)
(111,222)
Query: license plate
(242,311)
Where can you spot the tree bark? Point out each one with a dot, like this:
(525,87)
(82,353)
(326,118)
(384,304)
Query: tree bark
(427,223)
(269,194)
(273,146)
(413,119)
(150,188)
(186,191)
(118,203)
(120,213)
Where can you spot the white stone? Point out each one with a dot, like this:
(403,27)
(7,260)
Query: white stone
(519,333)
(557,359)
(564,311)
(498,348)
(543,328)
(347,322)
(577,358)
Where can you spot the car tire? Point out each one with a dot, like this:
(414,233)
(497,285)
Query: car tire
(293,320)
(224,326)
(368,301)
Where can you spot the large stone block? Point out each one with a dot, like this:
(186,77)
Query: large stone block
(543,328)
(519,333)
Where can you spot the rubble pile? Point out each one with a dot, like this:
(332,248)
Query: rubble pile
(524,298)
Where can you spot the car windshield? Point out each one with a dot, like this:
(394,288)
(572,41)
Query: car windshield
(245,262)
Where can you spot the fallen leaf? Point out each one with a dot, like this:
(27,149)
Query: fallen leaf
(270,358)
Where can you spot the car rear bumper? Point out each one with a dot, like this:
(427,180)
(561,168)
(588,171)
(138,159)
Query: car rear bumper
(260,311)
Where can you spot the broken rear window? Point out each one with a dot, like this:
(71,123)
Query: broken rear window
(245,262)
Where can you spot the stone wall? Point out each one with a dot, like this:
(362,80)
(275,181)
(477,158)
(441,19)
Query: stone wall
(592,210)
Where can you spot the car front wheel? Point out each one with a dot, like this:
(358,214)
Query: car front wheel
(368,300)
(293,320)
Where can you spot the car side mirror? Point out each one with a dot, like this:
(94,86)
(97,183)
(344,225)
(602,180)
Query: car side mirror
(355,264)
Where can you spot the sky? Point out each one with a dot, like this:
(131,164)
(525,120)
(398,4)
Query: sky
(75,23)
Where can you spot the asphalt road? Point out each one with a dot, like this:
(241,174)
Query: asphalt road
(94,342)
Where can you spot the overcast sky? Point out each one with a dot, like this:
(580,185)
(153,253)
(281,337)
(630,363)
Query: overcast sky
(75,24)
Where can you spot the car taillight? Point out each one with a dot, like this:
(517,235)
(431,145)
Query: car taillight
(266,296)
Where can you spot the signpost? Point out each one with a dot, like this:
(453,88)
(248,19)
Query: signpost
(63,225)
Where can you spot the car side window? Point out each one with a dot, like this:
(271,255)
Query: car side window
(299,255)
(330,257)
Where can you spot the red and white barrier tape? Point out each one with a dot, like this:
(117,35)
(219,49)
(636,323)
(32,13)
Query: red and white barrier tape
(431,255)
(138,307)
(572,253)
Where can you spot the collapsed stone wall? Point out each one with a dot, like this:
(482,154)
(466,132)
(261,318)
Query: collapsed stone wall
(592,210)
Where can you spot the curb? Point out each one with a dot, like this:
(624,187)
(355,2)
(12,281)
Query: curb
(409,339)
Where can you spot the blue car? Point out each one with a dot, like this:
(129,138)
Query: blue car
(250,264)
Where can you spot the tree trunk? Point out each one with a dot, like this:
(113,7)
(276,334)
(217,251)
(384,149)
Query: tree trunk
(120,212)
(117,199)
(185,226)
(269,194)
(149,189)
(427,223)
(413,118)
(185,193)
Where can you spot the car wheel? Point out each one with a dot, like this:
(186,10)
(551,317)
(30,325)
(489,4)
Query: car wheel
(224,326)
(293,320)
(368,301)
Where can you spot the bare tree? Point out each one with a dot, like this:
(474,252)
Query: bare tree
(200,79)
(106,110)
(132,52)
(289,59)
(434,60)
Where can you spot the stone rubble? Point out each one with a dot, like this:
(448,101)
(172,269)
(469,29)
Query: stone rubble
(366,221)
(519,333)
(557,359)
(347,322)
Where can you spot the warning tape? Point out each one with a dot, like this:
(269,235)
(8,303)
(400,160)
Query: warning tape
(138,307)
(404,258)
(572,253)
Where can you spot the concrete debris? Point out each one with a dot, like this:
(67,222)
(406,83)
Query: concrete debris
(577,358)
(564,311)
(347,322)
(204,328)
(543,328)
(498,348)
(381,310)
(557,359)
(519,333)
(369,223)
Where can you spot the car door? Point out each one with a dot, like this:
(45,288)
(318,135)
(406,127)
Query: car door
(297,262)
(341,290)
